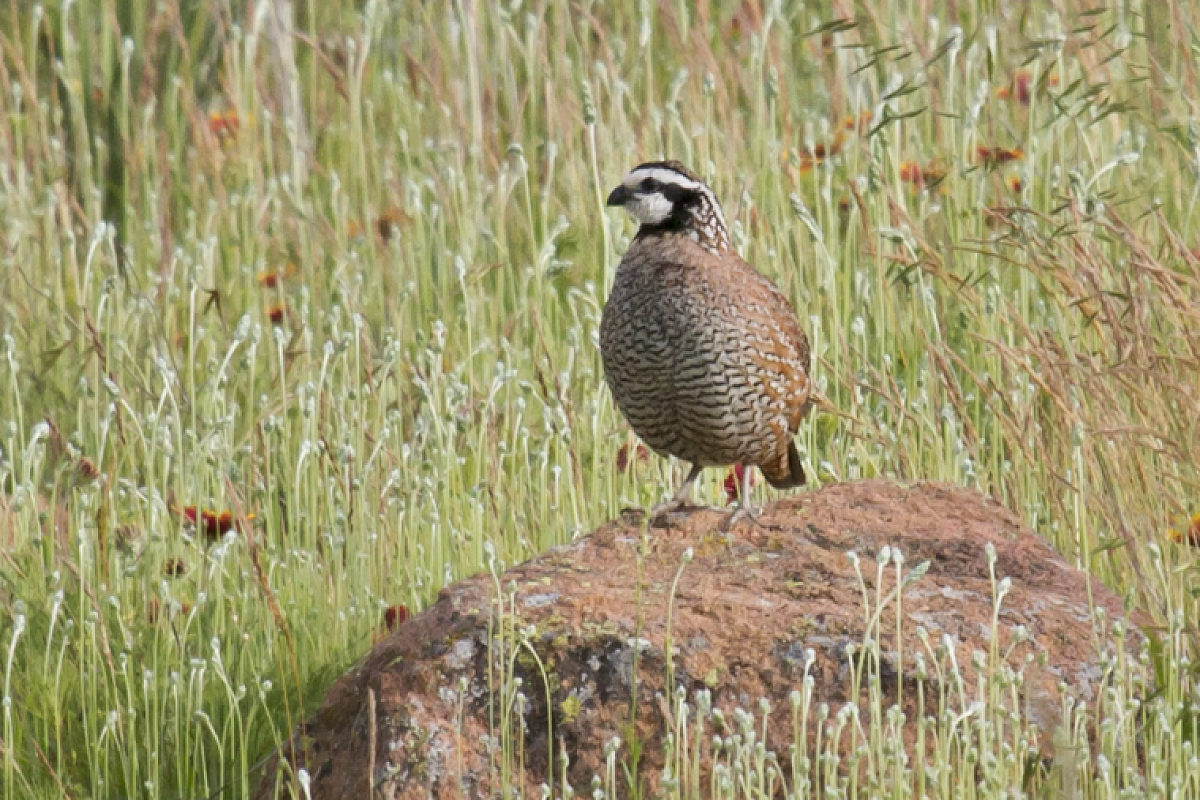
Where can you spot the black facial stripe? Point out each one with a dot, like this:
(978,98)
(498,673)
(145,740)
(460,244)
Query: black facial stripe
(680,196)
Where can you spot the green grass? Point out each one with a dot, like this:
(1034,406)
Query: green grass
(436,394)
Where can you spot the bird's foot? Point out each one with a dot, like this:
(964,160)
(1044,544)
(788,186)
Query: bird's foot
(663,515)
(739,514)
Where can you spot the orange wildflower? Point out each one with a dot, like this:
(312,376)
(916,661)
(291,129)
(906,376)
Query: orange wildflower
(933,174)
(276,314)
(1191,536)
(223,124)
(917,175)
(804,160)
(270,278)
(843,207)
(389,222)
(87,469)
(211,524)
(831,148)
(994,156)
(861,123)
(910,172)
(1015,184)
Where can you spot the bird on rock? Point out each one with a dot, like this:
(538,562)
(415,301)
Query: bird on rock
(703,354)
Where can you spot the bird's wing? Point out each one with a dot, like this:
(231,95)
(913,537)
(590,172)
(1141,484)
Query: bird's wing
(781,351)
(783,348)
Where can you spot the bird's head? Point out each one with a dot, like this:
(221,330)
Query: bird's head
(665,195)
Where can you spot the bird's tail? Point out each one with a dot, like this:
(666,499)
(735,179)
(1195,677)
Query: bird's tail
(787,472)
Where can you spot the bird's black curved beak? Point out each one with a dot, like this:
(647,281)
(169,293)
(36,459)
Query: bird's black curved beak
(619,196)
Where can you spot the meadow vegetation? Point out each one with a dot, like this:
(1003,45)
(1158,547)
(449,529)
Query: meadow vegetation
(266,377)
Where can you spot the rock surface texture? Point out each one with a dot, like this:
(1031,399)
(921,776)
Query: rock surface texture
(745,611)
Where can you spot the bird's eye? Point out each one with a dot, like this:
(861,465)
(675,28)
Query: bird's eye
(649,185)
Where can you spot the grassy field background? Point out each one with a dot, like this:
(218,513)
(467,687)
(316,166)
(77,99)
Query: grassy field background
(264,379)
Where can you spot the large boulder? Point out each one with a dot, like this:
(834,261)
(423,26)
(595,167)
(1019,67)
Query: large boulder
(752,612)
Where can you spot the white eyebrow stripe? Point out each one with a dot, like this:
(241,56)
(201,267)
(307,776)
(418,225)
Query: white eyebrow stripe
(662,176)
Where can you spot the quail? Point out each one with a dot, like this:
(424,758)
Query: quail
(703,355)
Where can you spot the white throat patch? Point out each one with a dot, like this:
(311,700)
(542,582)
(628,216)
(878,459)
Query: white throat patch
(650,209)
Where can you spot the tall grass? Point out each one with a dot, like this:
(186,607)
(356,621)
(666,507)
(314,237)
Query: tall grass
(377,356)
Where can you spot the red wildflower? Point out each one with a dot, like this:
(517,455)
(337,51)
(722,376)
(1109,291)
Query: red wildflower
(393,616)
(733,483)
(174,567)
(276,313)
(270,278)
(1022,87)
(640,453)
(216,525)
(918,176)
(223,124)
(805,160)
(994,156)
(832,148)
(210,523)
(87,469)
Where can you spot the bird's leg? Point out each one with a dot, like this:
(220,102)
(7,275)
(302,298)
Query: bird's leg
(744,510)
(681,498)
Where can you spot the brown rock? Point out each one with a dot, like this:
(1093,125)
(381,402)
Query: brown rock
(745,612)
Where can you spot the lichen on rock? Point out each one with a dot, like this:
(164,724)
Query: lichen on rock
(752,615)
